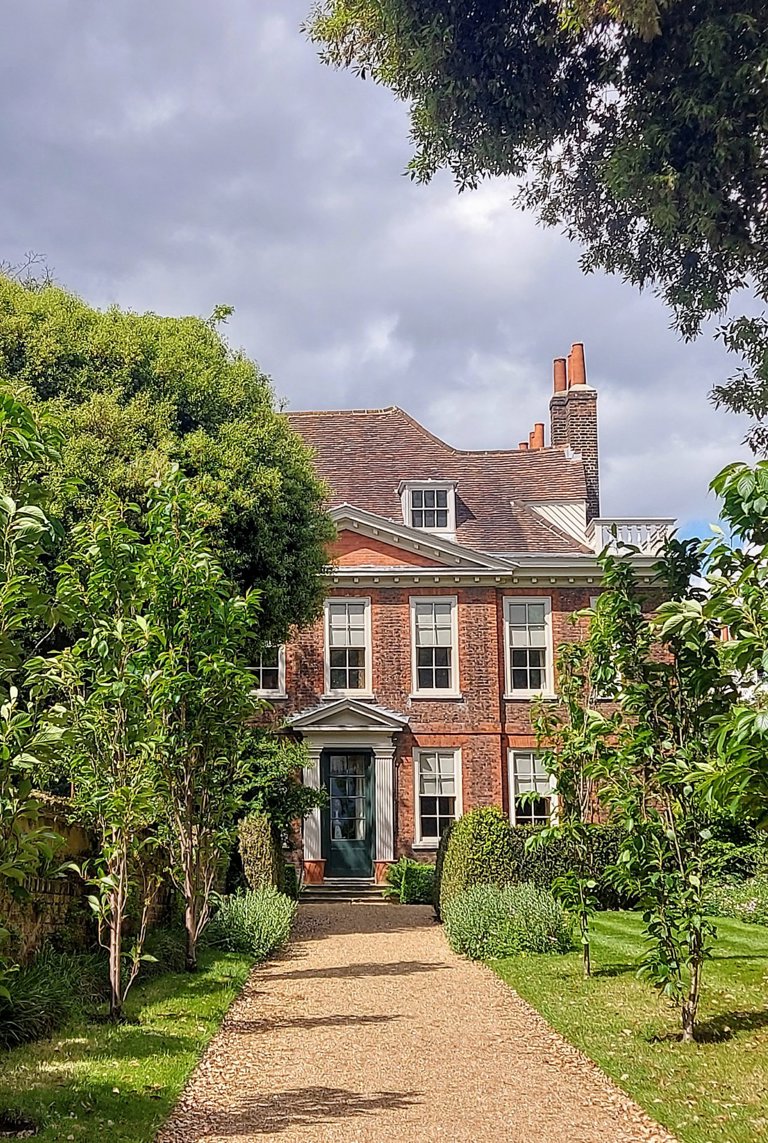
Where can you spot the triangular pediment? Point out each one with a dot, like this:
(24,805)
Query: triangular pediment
(434,550)
(351,549)
(347,714)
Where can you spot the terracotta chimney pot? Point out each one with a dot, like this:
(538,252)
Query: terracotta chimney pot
(560,375)
(523,446)
(538,435)
(578,365)
(531,442)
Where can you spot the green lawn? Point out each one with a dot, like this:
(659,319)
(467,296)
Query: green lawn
(94,1082)
(715,1091)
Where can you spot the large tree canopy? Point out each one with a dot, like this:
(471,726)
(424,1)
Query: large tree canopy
(639,127)
(135,392)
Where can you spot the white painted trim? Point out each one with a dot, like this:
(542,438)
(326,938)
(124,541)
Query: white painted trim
(384,804)
(369,719)
(512,753)
(429,544)
(280,692)
(379,742)
(312,829)
(584,571)
(549,688)
(570,516)
(428,842)
(347,693)
(458,558)
(454,690)
(449,486)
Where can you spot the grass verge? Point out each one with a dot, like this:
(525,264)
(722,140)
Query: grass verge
(715,1091)
(95,1081)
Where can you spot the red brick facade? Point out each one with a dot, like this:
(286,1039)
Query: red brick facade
(519,524)
(483,724)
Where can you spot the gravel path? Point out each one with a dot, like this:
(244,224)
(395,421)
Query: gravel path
(370,1030)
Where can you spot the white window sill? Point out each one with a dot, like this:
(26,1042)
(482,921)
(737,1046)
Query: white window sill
(334,696)
(528,696)
(426,844)
(271,695)
(432,695)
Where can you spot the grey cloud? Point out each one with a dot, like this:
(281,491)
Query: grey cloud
(172,156)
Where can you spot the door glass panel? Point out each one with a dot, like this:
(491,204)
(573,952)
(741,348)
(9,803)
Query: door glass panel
(348,819)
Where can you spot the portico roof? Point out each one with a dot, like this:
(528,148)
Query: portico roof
(347,714)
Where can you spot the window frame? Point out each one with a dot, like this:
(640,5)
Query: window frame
(548,690)
(367,691)
(512,753)
(453,690)
(266,692)
(447,486)
(420,842)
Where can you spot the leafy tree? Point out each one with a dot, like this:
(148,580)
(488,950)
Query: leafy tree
(27,731)
(737,603)
(665,675)
(112,749)
(138,392)
(201,692)
(637,127)
(642,15)
(572,739)
(275,764)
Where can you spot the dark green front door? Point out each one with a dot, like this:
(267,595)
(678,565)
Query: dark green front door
(348,817)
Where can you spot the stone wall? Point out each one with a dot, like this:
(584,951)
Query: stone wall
(54,910)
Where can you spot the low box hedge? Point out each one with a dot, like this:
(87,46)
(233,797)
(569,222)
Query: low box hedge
(484,848)
(442,849)
(410,882)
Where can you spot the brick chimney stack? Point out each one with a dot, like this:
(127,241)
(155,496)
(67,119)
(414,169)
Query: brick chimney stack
(573,418)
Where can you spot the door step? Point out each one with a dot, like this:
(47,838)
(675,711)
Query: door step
(346,890)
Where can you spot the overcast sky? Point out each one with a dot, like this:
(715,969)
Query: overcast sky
(176,154)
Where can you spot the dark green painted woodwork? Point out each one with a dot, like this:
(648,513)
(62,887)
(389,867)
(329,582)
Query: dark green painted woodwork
(347,820)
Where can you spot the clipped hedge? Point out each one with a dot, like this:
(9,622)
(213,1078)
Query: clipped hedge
(410,882)
(291,883)
(736,851)
(260,854)
(442,849)
(484,848)
(540,865)
(485,922)
(479,852)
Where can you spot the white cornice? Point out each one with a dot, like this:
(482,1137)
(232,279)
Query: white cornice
(347,714)
(536,572)
(461,565)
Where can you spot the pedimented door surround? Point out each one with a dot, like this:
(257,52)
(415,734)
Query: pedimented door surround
(347,725)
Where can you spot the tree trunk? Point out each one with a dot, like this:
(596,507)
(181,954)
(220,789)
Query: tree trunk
(586,957)
(691,1002)
(115,960)
(190,922)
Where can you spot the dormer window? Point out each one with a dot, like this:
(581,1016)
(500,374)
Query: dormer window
(429,505)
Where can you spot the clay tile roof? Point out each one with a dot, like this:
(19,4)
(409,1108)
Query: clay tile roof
(364,454)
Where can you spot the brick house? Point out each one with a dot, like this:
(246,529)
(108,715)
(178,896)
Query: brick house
(452,581)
